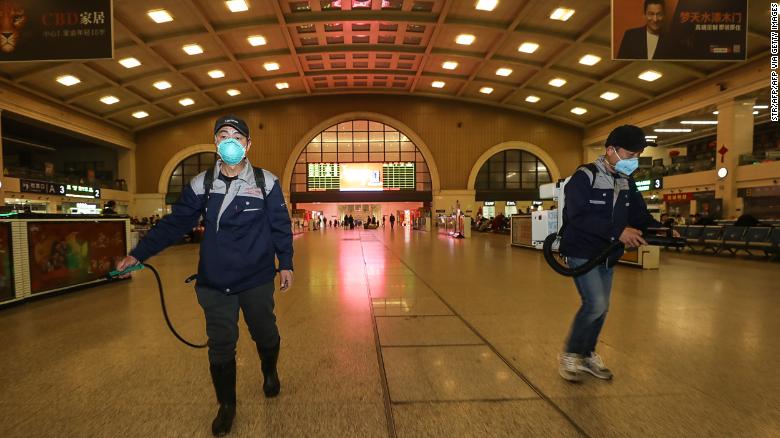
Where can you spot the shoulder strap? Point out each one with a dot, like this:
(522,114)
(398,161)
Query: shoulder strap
(208,181)
(260,180)
(594,170)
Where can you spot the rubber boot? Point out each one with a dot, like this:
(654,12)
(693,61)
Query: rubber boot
(268,359)
(224,378)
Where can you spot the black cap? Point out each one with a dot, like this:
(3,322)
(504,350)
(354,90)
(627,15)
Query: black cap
(628,137)
(233,121)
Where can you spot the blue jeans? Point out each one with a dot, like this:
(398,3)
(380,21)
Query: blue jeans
(594,288)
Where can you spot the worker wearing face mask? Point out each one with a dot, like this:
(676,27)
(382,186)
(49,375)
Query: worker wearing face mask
(247,229)
(602,206)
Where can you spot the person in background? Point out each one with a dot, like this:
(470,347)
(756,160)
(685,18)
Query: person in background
(392,222)
(110,207)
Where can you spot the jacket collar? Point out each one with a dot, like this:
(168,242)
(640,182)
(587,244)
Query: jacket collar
(603,166)
(247,173)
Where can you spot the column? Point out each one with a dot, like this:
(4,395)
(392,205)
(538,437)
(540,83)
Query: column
(735,132)
(126,171)
(2,165)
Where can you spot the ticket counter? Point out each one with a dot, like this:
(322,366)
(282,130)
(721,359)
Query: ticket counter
(41,254)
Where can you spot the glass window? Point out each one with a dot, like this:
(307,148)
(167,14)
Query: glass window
(186,170)
(512,170)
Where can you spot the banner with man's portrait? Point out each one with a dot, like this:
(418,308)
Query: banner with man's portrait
(692,30)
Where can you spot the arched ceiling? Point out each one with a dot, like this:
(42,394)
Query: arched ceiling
(363,46)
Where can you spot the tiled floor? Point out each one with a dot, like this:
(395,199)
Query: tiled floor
(409,334)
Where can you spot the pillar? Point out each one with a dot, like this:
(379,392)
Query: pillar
(2,165)
(735,132)
(126,171)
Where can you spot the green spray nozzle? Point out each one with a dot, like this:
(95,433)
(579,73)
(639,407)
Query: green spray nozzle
(114,274)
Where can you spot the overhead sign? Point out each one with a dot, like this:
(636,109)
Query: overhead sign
(510,203)
(680,29)
(75,191)
(650,184)
(490,203)
(43,30)
(57,189)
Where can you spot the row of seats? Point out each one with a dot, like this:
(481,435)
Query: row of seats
(731,238)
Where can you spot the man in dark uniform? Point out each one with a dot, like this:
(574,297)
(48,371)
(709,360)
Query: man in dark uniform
(647,42)
(247,227)
(602,205)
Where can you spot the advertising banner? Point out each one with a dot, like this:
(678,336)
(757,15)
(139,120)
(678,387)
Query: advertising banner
(694,30)
(65,254)
(361,177)
(6,262)
(41,30)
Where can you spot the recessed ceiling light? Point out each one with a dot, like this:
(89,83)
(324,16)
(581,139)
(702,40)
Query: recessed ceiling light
(233,92)
(465,39)
(256,40)
(557,82)
(486,5)
(192,49)
(186,101)
(216,74)
(651,137)
(162,85)
(486,90)
(140,114)
(755,113)
(68,80)
(160,15)
(672,130)
(271,66)
(760,106)
(129,62)
(282,85)
(438,84)
(650,75)
(716,112)
(504,71)
(528,47)
(532,99)
(609,95)
(449,65)
(579,110)
(237,5)
(590,59)
(699,122)
(561,14)
(109,100)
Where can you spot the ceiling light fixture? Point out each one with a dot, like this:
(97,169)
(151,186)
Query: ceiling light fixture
(129,62)
(465,39)
(186,101)
(68,80)
(504,71)
(590,59)
(528,47)
(438,84)
(561,14)
(486,90)
(716,112)
(160,15)
(651,137)
(162,85)
(557,82)
(760,106)
(140,114)
(109,100)
(192,49)
(673,130)
(449,65)
(486,5)
(579,110)
(532,99)
(609,95)
(233,92)
(216,74)
(256,40)
(237,5)
(271,66)
(282,85)
(650,75)
(699,122)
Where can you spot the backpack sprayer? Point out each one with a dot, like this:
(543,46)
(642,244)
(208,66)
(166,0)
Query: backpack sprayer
(115,274)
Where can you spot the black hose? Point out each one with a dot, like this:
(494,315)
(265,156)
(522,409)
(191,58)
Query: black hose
(165,311)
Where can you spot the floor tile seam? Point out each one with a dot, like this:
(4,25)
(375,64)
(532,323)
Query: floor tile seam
(580,429)
(420,316)
(653,395)
(387,401)
(432,345)
(533,398)
(407,316)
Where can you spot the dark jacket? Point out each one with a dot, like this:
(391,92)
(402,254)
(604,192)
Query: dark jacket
(594,216)
(244,232)
(634,45)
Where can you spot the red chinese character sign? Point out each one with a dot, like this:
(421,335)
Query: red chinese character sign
(722,151)
(679,29)
(41,30)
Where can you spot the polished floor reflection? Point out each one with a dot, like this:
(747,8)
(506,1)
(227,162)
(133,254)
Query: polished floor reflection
(409,334)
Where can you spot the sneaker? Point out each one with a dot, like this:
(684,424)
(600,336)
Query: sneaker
(569,366)
(594,365)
